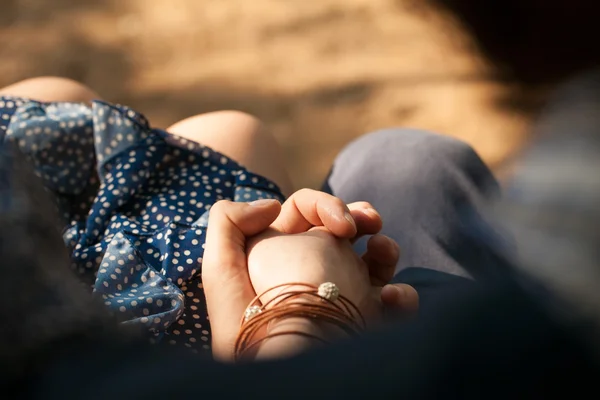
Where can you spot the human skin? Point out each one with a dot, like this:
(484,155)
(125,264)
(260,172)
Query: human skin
(314,226)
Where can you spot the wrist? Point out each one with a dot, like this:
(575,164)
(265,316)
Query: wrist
(296,318)
(307,334)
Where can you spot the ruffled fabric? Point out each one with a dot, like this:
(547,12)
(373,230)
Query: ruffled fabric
(135,202)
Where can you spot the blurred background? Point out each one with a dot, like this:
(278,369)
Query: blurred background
(317,72)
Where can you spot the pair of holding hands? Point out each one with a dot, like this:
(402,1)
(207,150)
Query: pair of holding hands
(252,247)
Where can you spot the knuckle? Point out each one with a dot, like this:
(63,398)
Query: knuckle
(305,192)
(338,202)
(220,206)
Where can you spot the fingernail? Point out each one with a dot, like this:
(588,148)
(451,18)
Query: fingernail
(262,202)
(394,243)
(350,219)
(398,291)
(372,212)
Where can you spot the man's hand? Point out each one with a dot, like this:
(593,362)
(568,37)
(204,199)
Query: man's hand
(225,277)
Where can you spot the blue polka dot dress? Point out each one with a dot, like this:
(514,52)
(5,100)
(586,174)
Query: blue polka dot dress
(135,202)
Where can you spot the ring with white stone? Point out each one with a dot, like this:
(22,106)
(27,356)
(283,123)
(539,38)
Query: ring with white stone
(328,291)
(251,312)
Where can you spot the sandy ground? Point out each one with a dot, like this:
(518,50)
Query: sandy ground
(318,72)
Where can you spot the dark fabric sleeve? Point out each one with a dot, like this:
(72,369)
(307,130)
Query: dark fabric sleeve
(485,342)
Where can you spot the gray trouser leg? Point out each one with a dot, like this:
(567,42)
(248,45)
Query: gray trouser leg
(428,189)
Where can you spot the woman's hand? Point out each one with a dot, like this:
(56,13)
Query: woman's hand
(227,285)
(307,209)
(310,242)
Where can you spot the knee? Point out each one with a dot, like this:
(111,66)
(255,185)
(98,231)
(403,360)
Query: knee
(226,125)
(242,125)
(241,137)
(235,133)
(66,89)
(409,147)
(51,88)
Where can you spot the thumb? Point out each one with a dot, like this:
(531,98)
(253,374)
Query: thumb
(225,277)
(400,297)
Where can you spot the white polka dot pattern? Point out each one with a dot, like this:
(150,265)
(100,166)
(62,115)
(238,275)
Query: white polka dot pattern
(135,201)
